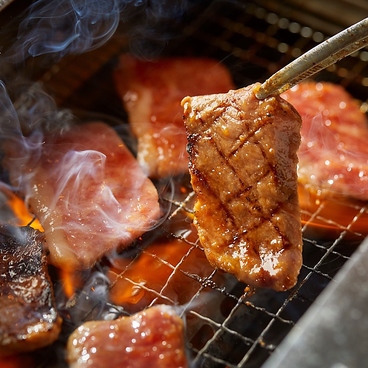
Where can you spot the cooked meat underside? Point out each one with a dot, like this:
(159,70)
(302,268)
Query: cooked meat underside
(28,317)
(243,166)
(152,338)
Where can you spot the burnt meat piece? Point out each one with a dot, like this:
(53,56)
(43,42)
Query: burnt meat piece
(152,338)
(28,317)
(243,167)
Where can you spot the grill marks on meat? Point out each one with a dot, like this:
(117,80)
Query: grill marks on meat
(28,317)
(90,195)
(333,155)
(151,93)
(243,169)
(152,338)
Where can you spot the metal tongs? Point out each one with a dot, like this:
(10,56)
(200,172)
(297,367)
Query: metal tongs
(323,55)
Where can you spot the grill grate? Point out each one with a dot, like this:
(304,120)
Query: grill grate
(254,324)
(228,325)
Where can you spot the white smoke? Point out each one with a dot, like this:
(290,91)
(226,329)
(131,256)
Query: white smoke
(61,27)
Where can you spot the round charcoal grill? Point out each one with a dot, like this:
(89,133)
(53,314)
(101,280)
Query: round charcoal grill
(227,324)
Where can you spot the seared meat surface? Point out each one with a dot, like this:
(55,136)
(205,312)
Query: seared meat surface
(28,316)
(333,155)
(152,338)
(243,166)
(151,92)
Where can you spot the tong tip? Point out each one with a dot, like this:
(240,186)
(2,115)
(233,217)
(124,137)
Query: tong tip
(321,56)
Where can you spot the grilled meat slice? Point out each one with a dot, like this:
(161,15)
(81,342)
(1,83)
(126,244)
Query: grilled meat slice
(28,316)
(89,193)
(243,166)
(151,93)
(333,155)
(152,338)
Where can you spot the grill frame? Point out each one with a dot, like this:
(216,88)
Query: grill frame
(253,40)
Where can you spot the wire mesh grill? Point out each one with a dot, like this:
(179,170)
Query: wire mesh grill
(228,324)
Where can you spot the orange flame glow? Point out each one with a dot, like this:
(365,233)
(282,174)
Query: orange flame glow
(149,271)
(158,272)
(22,214)
(333,213)
(71,282)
